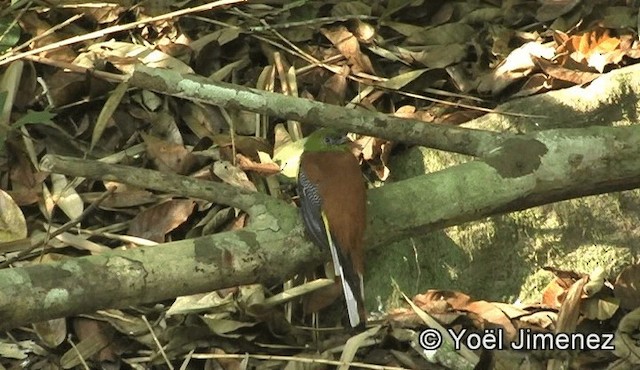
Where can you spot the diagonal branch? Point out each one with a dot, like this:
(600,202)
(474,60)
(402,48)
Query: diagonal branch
(196,88)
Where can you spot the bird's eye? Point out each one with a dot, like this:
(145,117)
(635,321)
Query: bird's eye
(328,140)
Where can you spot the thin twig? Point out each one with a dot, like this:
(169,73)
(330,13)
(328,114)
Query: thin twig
(77,352)
(46,33)
(157,342)
(76,68)
(10,57)
(296,359)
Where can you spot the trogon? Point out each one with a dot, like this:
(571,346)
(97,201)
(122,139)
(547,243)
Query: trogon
(333,206)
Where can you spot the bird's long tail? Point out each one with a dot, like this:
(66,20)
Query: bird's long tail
(352,281)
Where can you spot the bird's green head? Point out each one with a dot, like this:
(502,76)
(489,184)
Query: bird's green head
(326,140)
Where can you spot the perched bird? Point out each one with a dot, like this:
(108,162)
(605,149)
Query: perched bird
(333,206)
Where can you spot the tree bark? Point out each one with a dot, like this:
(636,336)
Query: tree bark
(198,88)
(522,172)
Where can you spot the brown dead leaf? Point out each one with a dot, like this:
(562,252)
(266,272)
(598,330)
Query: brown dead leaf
(26,184)
(460,116)
(563,73)
(265,169)
(334,89)
(365,32)
(410,112)
(543,319)
(106,13)
(204,120)
(348,45)
(246,145)
(492,317)
(67,87)
(122,199)
(596,49)
(321,298)
(38,27)
(554,293)
(456,300)
(169,157)
(441,304)
(233,175)
(95,343)
(376,153)
(627,287)
(224,363)
(27,92)
(239,222)
(155,222)
(535,83)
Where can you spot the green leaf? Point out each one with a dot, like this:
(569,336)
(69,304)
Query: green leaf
(32,117)
(9,33)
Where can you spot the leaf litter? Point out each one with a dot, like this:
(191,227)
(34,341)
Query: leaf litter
(63,92)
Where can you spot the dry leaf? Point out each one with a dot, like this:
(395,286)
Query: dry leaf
(627,287)
(349,46)
(155,222)
(169,157)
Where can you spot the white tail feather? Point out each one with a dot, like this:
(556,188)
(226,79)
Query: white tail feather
(350,298)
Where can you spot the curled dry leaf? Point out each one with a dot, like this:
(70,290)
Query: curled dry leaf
(334,89)
(246,164)
(376,153)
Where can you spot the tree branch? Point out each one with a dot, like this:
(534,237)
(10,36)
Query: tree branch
(215,192)
(525,171)
(197,88)
(149,274)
